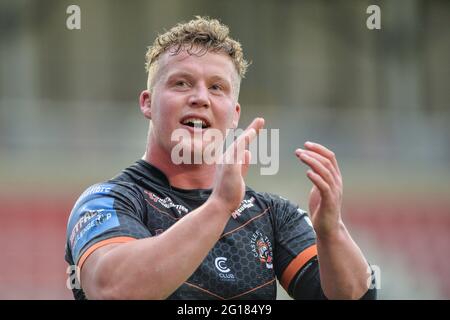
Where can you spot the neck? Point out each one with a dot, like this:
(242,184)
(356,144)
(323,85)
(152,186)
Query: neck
(183,176)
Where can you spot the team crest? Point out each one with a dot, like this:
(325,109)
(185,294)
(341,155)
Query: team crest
(262,249)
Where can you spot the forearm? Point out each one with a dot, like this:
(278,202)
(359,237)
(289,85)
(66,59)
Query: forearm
(155,267)
(343,268)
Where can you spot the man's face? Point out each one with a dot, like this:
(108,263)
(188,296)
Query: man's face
(193,93)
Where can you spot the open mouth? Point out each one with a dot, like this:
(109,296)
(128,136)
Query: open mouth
(196,123)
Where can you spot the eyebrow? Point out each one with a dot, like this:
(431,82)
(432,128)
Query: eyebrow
(180,74)
(189,75)
(220,78)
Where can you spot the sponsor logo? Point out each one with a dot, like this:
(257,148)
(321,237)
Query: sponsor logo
(166,202)
(306,217)
(262,248)
(224,271)
(220,264)
(96,190)
(88,221)
(245,204)
(91,219)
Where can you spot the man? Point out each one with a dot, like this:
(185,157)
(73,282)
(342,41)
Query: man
(164,230)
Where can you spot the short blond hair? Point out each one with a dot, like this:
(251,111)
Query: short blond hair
(197,37)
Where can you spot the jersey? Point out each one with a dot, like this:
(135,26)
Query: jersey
(267,237)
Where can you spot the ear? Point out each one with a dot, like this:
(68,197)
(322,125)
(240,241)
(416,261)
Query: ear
(145,103)
(236,115)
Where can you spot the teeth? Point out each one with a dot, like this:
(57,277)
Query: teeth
(198,123)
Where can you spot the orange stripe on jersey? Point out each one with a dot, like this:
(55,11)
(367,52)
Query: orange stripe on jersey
(100,244)
(296,264)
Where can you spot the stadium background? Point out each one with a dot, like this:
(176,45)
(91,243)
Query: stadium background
(69,117)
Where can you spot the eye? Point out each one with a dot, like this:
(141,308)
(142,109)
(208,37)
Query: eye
(216,87)
(181,83)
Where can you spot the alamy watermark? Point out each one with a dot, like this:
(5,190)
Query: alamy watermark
(209,146)
(374,20)
(73,21)
(374,277)
(73,279)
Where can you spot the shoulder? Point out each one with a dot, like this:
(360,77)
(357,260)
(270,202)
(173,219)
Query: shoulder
(272,200)
(104,210)
(110,189)
(109,195)
(280,207)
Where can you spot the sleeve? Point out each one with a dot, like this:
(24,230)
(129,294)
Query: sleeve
(295,240)
(105,213)
(306,284)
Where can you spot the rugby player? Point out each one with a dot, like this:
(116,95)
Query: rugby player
(160,230)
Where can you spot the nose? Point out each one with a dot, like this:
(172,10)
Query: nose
(200,97)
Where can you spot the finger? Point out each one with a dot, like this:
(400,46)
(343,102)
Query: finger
(318,168)
(250,132)
(235,152)
(324,152)
(325,162)
(257,124)
(314,199)
(324,188)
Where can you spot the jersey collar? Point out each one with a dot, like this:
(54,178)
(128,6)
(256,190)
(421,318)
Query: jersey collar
(157,176)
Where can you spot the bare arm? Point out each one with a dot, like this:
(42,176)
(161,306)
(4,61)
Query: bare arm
(153,268)
(343,268)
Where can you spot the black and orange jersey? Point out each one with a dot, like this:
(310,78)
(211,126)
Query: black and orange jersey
(267,238)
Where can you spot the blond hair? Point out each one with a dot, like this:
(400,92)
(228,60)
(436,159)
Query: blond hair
(197,37)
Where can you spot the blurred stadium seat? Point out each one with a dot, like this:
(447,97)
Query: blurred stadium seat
(418,233)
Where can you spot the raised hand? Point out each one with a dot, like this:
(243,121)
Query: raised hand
(229,185)
(325,199)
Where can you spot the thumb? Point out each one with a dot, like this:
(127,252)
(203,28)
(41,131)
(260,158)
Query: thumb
(246,163)
(314,200)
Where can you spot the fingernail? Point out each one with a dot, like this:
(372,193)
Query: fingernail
(308,143)
(304,156)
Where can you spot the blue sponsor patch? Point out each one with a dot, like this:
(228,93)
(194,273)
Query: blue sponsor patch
(93,215)
(91,193)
